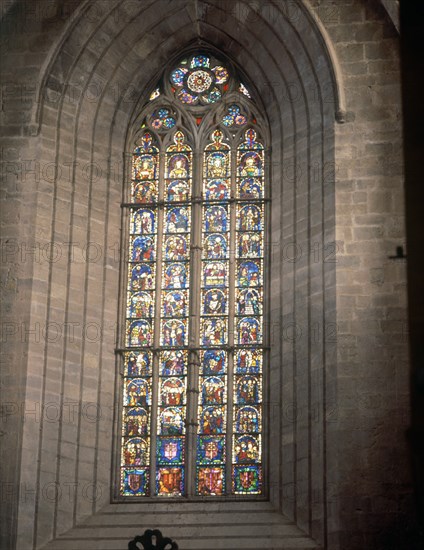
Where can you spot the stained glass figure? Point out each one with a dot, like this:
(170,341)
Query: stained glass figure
(246,449)
(176,248)
(214,274)
(178,191)
(212,420)
(143,249)
(214,362)
(249,361)
(249,274)
(247,390)
(215,246)
(250,188)
(216,189)
(177,220)
(194,309)
(143,221)
(138,364)
(249,302)
(213,332)
(145,191)
(171,422)
(175,304)
(250,165)
(217,165)
(135,452)
(135,422)
(172,392)
(142,277)
(175,276)
(141,305)
(249,218)
(249,331)
(247,420)
(173,363)
(213,391)
(140,334)
(249,245)
(145,167)
(178,166)
(216,219)
(214,302)
(137,392)
(174,333)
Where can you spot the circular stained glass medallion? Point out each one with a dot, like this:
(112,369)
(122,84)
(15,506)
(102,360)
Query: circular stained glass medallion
(177,76)
(221,74)
(199,81)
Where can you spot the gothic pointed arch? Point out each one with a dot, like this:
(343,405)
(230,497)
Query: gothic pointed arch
(193,349)
(101,69)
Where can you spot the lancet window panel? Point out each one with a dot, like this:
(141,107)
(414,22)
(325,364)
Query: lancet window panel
(194,351)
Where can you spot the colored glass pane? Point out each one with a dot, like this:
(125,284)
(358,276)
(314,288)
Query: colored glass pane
(135,448)
(155,94)
(244,90)
(234,117)
(162,120)
(203,82)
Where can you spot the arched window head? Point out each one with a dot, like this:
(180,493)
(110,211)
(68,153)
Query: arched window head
(193,351)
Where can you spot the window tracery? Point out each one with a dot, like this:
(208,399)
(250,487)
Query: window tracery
(192,418)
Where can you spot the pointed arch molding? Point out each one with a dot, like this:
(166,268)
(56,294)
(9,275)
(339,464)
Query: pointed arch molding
(50,81)
(102,69)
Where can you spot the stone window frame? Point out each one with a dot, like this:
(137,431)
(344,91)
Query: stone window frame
(193,133)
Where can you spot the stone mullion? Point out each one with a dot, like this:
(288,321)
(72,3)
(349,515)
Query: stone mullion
(157,329)
(194,326)
(231,323)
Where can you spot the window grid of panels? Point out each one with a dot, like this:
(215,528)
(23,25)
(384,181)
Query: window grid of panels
(174,314)
(247,408)
(214,324)
(140,315)
(228,447)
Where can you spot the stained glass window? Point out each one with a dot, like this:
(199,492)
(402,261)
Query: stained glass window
(194,348)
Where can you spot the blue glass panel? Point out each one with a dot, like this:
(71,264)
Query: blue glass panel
(175,276)
(210,449)
(170,450)
(138,364)
(214,362)
(247,479)
(135,481)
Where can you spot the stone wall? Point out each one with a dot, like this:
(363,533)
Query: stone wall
(372,365)
(75,78)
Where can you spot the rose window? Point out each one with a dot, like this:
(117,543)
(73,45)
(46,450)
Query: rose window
(199,80)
